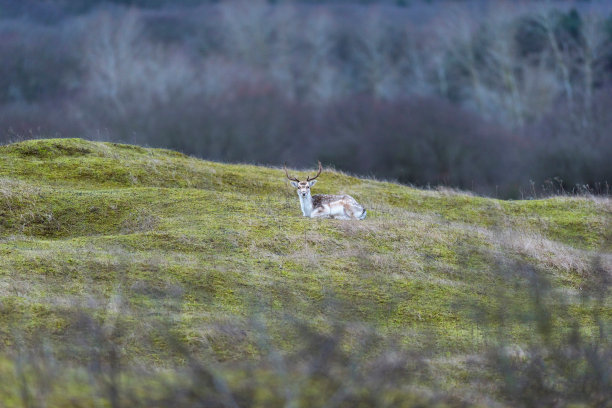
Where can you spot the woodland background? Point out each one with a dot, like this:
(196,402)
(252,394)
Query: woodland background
(510,99)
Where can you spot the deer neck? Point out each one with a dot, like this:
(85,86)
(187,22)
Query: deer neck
(306,204)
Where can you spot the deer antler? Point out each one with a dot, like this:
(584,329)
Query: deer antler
(320,169)
(288,176)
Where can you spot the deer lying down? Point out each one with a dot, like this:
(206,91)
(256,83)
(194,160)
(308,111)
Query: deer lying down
(340,207)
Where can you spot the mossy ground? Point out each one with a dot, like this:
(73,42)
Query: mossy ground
(156,236)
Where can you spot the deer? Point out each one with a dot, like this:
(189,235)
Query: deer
(340,207)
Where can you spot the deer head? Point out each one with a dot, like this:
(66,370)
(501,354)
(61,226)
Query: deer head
(303,187)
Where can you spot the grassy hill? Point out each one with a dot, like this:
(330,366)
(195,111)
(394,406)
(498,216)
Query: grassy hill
(154,262)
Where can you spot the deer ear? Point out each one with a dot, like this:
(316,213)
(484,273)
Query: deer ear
(294,184)
(312,183)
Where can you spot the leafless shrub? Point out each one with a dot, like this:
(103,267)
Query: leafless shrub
(348,365)
(563,363)
(425,141)
(573,153)
(343,363)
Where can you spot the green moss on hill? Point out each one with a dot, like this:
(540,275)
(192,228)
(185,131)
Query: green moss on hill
(155,235)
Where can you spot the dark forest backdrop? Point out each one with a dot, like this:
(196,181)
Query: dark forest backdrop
(505,98)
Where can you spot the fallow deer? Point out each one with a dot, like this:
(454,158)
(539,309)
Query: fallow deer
(341,207)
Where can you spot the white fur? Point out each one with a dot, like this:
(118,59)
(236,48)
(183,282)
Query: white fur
(306,205)
(331,209)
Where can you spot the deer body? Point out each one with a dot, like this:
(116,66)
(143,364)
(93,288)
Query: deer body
(342,207)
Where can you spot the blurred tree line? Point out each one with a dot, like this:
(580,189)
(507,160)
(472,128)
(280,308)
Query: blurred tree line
(497,97)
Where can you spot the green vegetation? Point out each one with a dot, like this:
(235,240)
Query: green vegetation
(176,253)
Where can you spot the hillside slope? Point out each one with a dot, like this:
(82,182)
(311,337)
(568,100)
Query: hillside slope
(154,238)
